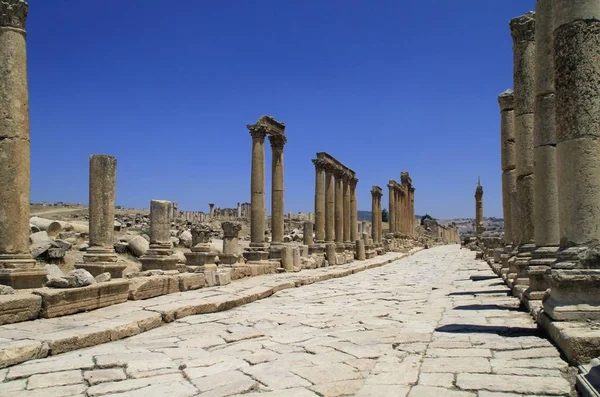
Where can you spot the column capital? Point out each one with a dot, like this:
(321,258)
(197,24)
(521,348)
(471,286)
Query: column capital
(506,100)
(353,181)
(231,229)
(319,164)
(376,191)
(13,14)
(277,142)
(257,132)
(522,28)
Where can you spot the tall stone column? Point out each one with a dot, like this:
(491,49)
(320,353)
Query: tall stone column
(277,199)
(211,207)
(523,34)
(575,290)
(353,210)
(380,219)
(329,205)
(346,212)
(257,183)
(509,175)
(392,207)
(479,208)
(398,201)
(100,257)
(319,201)
(160,255)
(17,268)
(339,207)
(412,212)
(374,217)
(545,203)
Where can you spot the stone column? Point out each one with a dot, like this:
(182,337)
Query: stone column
(346,191)
(523,34)
(307,229)
(211,206)
(392,207)
(17,268)
(277,199)
(329,205)
(379,219)
(339,207)
(412,212)
(374,217)
(575,290)
(100,257)
(319,201)
(545,203)
(257,182)
(398,200)
(478,209)
(509,176)
(353,210)
(160,255)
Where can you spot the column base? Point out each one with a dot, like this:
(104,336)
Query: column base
(317,249)
(20,271)
(159,257)
(574,282)
(257,254)
(521,263)
(541,260)
(98,260)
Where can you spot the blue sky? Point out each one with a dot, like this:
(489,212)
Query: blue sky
(168,88)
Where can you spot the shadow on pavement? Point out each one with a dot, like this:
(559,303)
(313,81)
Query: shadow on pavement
(487,307)
(489,329)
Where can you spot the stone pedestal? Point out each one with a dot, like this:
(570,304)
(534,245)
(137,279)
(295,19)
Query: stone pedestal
(541,261)
(231,251)
(160,255)
(307,233)
(101,256)
(330,253)
(17,268)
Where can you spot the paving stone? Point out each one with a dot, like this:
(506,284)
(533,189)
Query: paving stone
(104,375)
(517,384)
(456,364)
(427,391)
(275,377)
(58,391)
(383,391)
(436,379)
(48,365)
(340,388)
(13,386)
(326,374)
(55,379)
(133,384)
(19,351)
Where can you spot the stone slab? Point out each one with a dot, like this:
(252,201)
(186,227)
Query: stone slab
(19,307)
(153,286)
(60,302)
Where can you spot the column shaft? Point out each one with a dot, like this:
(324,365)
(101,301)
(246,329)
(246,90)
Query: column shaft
(392,209)
(353,212)
(319,202)
(277,194)
(523,33)
(257,183)
(103,183)
(339,209)
(160,224)
(329,206)
(509,175)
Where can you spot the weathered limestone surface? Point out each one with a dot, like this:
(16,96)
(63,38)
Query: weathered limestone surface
(17,268)
(277,196)
(17,308)
(426,329)
(160,254)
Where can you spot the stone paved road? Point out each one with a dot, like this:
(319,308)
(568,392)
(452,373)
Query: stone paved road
(434,324)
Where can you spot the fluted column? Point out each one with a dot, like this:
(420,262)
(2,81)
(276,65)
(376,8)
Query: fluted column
(353,210)
(17,268)
(347,209)
(339,207)
(392,208)
(329,205)
(257,183)
(277,194)
(319,201)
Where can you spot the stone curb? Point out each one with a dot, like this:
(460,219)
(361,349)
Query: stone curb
(46,337)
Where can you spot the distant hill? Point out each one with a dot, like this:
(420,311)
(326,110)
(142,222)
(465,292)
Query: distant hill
(366,216)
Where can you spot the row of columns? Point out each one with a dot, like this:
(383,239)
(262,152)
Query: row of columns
(550,128)
(401,208)
(336,218)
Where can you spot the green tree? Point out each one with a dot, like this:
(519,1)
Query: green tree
(385,217)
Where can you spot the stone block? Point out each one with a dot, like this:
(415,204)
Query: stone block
(524,200)
(575,294)
(524,144)
(150,287)
(16,352)
(56,303)
(217,277)
(19,307)
(191,281)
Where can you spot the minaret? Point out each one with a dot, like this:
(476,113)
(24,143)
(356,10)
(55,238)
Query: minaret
(479,208)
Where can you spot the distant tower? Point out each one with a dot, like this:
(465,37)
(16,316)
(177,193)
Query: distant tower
(479,208)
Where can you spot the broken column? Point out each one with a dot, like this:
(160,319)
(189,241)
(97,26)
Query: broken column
(231,249)
(307,233)
(100,257)
(201,259)
(575,277)
(523,34)
(545,200)
(160,254)
(17,268)
(277,200)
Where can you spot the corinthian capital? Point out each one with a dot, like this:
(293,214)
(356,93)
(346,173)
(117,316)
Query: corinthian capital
(13,13)
(523,28)
(277,141)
